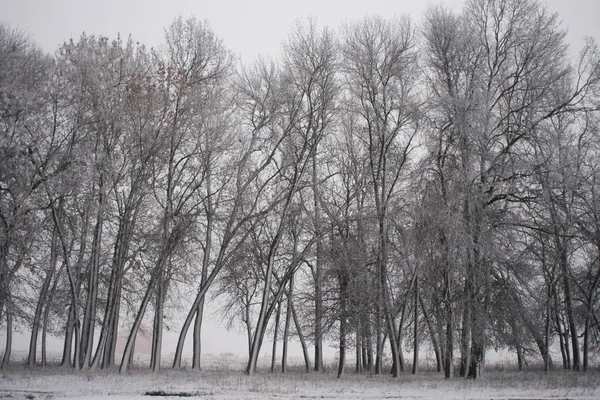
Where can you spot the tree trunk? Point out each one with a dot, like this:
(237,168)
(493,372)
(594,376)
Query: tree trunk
(67,347)
(209,208)
(37,320)
(9,333)
(520,358)
(378,336)
(537,336)
(561,335)
(318,273)
(342,358)
(42,300)
(286,329)
(47,313)
(263,315)
(157,332)
(477,333)
(547,360)
(73,285)
(591,299)
(389,319)
(566,278)
(343,282)
(89,318)
(400,334)
(432,333)
(128,351)
(194,308)
(301,338)
(267,308)
(109,331)
(113,336)
(359,348)
(449,355)
(369,352)
(275,334)
(416,330)
(586,339)
(465,354)
(197,337)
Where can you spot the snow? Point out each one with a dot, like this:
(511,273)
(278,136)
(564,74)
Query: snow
(19,382)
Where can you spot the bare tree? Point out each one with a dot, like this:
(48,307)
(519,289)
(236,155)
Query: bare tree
(24,70)
(380,74)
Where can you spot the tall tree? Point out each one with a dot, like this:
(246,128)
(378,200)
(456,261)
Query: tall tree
(24,70)
(380,77)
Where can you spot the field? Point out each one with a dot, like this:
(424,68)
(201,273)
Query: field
(227,383)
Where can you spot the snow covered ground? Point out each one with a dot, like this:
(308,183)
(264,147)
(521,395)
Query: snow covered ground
(226,383)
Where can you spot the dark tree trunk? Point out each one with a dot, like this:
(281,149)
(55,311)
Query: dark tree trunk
(42,300)
(416,330)
(432,333)
(275,337)
(318,274)
(286,329)
(9,333)
(359,349)
(301,338)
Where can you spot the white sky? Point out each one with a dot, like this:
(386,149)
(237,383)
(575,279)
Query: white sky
(248,28)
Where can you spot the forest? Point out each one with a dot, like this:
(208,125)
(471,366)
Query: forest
(386,187)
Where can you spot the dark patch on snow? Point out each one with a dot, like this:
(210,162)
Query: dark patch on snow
(162,393)
(25,394)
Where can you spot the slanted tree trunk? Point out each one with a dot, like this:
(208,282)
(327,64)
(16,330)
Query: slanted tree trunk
(108,334)
(433,334)
(391,328)
(301,338)
(47,308)
(68,343)
(219,263)
(73,285)
(259,331)
(42,300)
(37,319)
(400,334)
(209,209)
(128,351)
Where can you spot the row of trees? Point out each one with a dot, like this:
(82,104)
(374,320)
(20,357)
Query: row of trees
(380,187)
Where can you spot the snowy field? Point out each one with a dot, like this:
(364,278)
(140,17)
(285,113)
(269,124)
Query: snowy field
(19,382)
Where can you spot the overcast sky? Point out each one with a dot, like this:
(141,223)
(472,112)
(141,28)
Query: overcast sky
(248,27)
